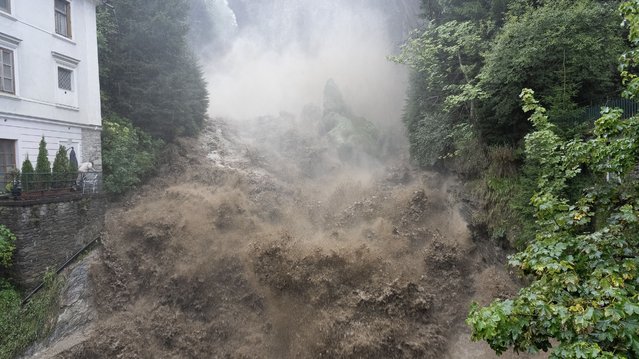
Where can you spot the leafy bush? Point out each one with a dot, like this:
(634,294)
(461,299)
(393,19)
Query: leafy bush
(128,154)
(468,156)
(12,177)
(584,259)
(429,140)
(504,208)
(443,88)
(21,326)
(7,246)
(569,66)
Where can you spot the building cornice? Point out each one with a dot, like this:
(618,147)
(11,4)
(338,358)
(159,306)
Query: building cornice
(9,39)
(65,59)
(12,116)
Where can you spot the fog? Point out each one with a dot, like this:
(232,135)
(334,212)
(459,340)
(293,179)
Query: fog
(269,57)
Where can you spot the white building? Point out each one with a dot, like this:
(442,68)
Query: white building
(49,83)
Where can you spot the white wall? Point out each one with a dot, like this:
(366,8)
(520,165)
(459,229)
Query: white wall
(28,134)
(39,108)
(37,93)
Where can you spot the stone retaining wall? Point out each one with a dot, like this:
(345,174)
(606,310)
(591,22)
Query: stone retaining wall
(49,232)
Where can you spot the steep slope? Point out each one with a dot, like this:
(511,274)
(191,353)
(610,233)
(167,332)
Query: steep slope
(237,252)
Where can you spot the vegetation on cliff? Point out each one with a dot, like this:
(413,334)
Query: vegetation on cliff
(152,86)
(21,325)
(561,186)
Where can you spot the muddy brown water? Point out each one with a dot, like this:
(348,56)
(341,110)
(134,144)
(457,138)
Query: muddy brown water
(234,253)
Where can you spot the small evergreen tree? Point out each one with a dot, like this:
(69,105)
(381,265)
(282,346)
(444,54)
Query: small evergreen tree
(27,175)
(60,168)
(43,167)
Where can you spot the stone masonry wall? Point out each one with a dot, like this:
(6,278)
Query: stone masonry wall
(92,147)
(48,234)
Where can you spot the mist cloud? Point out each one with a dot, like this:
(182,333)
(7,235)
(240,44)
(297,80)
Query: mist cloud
(283,52)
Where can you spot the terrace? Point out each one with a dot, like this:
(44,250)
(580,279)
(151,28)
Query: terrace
(21,189)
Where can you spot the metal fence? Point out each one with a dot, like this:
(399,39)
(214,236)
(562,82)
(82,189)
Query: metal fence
(36,185)
(629,108)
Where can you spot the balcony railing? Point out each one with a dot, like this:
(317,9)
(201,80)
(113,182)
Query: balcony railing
(47,185)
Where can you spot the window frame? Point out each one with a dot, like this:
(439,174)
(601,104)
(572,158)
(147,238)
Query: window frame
(71,73)
(67,18)
(11,52)
(8,8)
(6,168)
(63,97)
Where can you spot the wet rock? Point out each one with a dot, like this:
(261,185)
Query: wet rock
(76,316)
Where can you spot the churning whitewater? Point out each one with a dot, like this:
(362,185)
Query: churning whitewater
(294,226)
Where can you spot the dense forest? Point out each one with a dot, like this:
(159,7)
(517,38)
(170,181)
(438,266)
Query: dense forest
(551,170)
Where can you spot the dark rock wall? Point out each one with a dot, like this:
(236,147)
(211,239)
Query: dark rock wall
(50,233)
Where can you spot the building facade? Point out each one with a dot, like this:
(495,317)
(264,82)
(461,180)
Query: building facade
(49,81)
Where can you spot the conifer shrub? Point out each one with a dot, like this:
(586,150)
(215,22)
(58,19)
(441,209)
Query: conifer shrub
(43,167)
(28,176)
(60,175)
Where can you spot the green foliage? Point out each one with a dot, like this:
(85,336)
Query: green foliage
(428,141)
(148,73)
(581,230)
(446,60)
(22,326)
(106,33)
(582,260)
(474,57)
(470,63)
(584,273)
(570,66)
(464,10)
(61,169)
(12,177)
(43,167)
(449,57)
(152,86)
(7,246)
(630,59)
(27,175)
(468,158)
(128,154)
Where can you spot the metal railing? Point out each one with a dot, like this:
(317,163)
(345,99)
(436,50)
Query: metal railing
(629,108)
(36,185)
(60,269)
